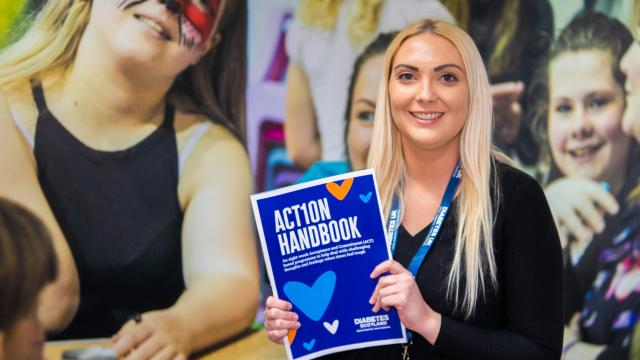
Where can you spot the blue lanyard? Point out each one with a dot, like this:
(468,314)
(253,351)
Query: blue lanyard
(436,224)
(434,230)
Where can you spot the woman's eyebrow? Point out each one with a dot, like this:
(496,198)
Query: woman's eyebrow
(440,67)
(366,101)
(410,67)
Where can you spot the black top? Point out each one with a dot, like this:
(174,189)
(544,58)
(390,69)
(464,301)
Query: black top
(522,319)
(600,287)
(120,214)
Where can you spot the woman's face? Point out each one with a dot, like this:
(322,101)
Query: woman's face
(585,111)
(630,65)
(147,33)
(428,92)
(363,107)
(25,339)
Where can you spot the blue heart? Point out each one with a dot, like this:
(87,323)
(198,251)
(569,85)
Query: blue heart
(309,345)
(365,198)
(312,301)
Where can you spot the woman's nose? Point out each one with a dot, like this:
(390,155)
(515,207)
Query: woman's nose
(426,92)
(584,125)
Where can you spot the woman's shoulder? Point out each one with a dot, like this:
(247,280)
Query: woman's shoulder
(18,107)
(209,154)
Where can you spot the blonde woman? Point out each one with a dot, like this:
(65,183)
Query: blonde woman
(490,285)
(116,119)
(323,42)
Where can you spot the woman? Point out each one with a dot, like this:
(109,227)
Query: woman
(592,165)
(323,41)
(132,108)
(491,285)
(361,106)
(27,264)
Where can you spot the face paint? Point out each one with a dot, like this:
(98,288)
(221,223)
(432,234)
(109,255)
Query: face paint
(196,21)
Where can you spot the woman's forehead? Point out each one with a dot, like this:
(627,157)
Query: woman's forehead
(427,50)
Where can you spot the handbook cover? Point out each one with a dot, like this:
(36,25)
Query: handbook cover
(320,241)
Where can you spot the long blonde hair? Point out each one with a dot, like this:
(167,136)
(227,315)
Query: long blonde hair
(49,45)
(214,87)
(474,241)
(362,20)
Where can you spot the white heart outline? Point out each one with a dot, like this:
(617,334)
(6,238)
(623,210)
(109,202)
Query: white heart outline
(333,327)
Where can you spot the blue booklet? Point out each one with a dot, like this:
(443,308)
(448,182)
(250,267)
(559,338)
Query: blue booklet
(321,240)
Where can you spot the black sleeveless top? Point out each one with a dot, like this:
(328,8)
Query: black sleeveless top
(120,214)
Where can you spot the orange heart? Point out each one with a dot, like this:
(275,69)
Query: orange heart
(340,191)
(292,335)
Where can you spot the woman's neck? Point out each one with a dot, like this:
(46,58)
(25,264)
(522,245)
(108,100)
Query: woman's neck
(430,169)
(101,88)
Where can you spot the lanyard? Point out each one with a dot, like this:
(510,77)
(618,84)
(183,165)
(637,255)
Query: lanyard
(434,229)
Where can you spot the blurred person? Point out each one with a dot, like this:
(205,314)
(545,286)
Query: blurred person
(128,111)
(589,180)
(630,65)
(27,264)
(360,109)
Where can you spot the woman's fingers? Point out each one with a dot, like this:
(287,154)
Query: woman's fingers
(272,302)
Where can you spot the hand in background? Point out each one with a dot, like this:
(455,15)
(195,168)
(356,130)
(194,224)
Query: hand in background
(160,335)
(579,206)
(279,319)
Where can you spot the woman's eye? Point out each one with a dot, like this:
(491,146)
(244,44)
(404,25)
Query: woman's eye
(449,78)
(406,76)
(598,103)
(365,115)
(563,108)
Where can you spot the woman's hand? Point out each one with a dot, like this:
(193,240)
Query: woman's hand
(579,206)
(279,319)
(400,290)
(159,335)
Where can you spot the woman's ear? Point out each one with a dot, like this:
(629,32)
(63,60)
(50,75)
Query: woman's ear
(212,43)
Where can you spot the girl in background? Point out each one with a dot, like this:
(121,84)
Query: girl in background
(593,160)
(361,106)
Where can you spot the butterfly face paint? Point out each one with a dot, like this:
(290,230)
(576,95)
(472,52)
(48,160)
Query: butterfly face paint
(196,18)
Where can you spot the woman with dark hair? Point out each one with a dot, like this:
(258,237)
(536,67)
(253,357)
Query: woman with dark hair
(134,112)
(27,264)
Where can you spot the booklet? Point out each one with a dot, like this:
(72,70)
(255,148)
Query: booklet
(320,242)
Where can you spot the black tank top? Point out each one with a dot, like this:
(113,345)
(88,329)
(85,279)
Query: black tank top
(120,214)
